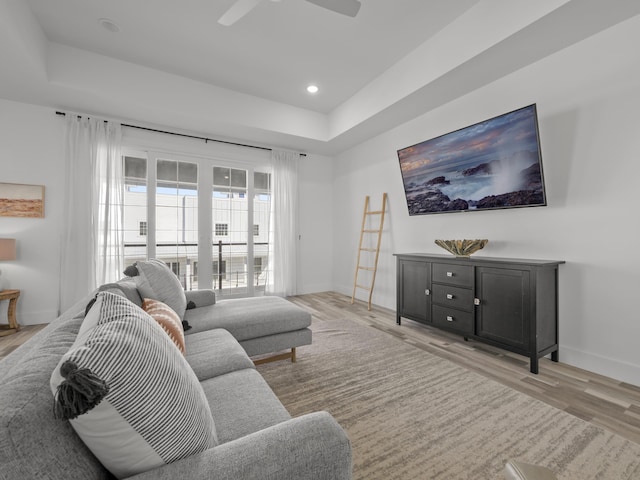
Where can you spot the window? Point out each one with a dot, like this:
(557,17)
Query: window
(229,211)
(135,209)
(222,229)
(177,217)
(175,267)
(261,217)
(165,218)
(257,270)
(219,271)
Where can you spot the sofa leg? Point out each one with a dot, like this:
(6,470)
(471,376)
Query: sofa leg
(275,358)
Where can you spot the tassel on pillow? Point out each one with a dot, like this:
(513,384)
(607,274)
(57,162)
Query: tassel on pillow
(78,393)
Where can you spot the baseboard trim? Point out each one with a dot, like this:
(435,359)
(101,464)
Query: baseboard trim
(314,288)
(609,367)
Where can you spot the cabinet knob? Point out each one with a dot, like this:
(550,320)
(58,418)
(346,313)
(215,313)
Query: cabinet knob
(449,318)
(449,296)
(427,292)
(476,301)
(449,274)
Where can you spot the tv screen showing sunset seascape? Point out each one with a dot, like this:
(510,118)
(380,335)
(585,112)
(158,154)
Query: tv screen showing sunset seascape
(492,164)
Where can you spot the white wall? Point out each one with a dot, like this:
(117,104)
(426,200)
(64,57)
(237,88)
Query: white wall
(316,224)
(32,152)
(588,99)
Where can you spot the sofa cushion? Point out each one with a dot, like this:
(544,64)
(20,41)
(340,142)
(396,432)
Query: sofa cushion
(32,443)
(244,404)
(167,319)
(155,280)
(200,298)
(153,410)
(214,353)
(250,317)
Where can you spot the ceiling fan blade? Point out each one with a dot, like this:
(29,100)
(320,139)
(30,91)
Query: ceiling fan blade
(237,11)
(345,7)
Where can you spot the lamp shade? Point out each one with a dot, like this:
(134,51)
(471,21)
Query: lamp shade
(7,249)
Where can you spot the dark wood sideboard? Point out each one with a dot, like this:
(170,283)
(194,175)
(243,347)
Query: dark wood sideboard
(506,302)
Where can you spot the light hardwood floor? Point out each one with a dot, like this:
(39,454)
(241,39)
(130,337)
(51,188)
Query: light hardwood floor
(9,343)
(600,400)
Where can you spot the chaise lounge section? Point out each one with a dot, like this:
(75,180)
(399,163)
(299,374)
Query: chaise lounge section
(262,325)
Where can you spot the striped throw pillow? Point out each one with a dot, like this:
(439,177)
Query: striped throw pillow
(128,391)
(167,319)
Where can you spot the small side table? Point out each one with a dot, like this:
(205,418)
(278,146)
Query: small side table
(13,327)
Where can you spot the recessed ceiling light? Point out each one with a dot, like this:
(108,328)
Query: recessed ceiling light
(109,25)
(312,89)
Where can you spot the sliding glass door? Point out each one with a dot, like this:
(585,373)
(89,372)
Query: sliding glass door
(136,226)
(240,219)
(208,222)
(176,218)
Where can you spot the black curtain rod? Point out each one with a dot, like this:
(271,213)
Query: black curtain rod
(195,137)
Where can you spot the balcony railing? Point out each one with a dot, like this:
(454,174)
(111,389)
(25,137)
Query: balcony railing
(223,280)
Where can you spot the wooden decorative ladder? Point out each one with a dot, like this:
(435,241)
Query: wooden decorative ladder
(376,250)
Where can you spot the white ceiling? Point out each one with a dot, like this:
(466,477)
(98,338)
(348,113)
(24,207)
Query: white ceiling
(171,64)
(273,52)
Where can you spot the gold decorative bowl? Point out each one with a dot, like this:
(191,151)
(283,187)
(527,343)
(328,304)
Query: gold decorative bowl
(462,248)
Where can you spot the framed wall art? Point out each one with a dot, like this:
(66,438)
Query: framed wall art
(18,200)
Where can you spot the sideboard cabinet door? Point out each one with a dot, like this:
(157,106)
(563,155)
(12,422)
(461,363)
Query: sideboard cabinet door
(505,303)
(413,294)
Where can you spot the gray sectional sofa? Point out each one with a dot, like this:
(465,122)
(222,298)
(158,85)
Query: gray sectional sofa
(262,325)
(254,436)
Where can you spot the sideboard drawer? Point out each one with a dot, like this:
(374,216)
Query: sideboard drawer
(453,319)
(461,275)
(453,297)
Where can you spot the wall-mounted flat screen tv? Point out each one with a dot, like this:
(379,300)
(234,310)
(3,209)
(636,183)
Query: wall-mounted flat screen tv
(490,165)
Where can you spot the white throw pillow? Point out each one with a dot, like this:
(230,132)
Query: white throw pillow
(156,280)
(128,391)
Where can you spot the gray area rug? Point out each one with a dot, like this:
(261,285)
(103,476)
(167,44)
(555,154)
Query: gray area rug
(412,415)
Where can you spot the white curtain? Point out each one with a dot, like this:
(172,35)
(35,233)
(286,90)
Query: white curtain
(92,250)
(284,227)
